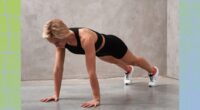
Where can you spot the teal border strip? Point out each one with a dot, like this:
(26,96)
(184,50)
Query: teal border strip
(189,54)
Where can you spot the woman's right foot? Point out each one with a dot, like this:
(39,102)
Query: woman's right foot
(128,76)
(154,77)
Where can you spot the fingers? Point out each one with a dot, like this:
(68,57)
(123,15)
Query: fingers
(91,105)
(87,105)
(44,99)
(83,105)
(48,99)
(41,100)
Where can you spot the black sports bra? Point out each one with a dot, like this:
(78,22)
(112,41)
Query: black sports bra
(78,49)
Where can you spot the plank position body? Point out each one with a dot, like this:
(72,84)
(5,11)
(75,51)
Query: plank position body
(108,48)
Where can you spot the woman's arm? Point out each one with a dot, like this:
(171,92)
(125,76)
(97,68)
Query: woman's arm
(58,72)
(88,45)
(91,68)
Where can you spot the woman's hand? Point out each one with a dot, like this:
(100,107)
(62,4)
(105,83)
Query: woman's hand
(91,103)
(51,98)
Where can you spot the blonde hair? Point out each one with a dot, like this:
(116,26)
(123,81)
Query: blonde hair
(54,28)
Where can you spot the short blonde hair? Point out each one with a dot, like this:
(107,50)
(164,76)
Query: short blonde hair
(54,28)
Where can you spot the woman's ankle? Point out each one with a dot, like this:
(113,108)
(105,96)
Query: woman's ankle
(129,70)
(153,71)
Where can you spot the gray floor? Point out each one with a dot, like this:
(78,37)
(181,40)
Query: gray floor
(114,95)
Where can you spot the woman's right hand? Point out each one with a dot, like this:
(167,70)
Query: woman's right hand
(50,98)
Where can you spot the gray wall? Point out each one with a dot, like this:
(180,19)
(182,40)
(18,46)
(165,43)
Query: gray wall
(141,24)
(172,38)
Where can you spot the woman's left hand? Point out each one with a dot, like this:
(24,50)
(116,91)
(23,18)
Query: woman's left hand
(91,103)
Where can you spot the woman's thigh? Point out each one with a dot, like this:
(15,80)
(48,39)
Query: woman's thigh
(129,58)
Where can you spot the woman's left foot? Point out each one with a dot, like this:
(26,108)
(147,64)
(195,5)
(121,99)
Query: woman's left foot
(154,77)
(128,76)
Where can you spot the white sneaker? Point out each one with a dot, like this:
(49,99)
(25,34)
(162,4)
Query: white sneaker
(154,78)
(128,77)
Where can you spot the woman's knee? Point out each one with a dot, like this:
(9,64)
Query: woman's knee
(109,60)
(137,61)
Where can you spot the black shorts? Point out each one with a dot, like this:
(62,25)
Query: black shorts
(114,46)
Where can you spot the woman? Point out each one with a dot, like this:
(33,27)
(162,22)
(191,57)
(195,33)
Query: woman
(108,48)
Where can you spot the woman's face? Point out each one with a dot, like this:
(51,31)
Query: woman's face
(58,42)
